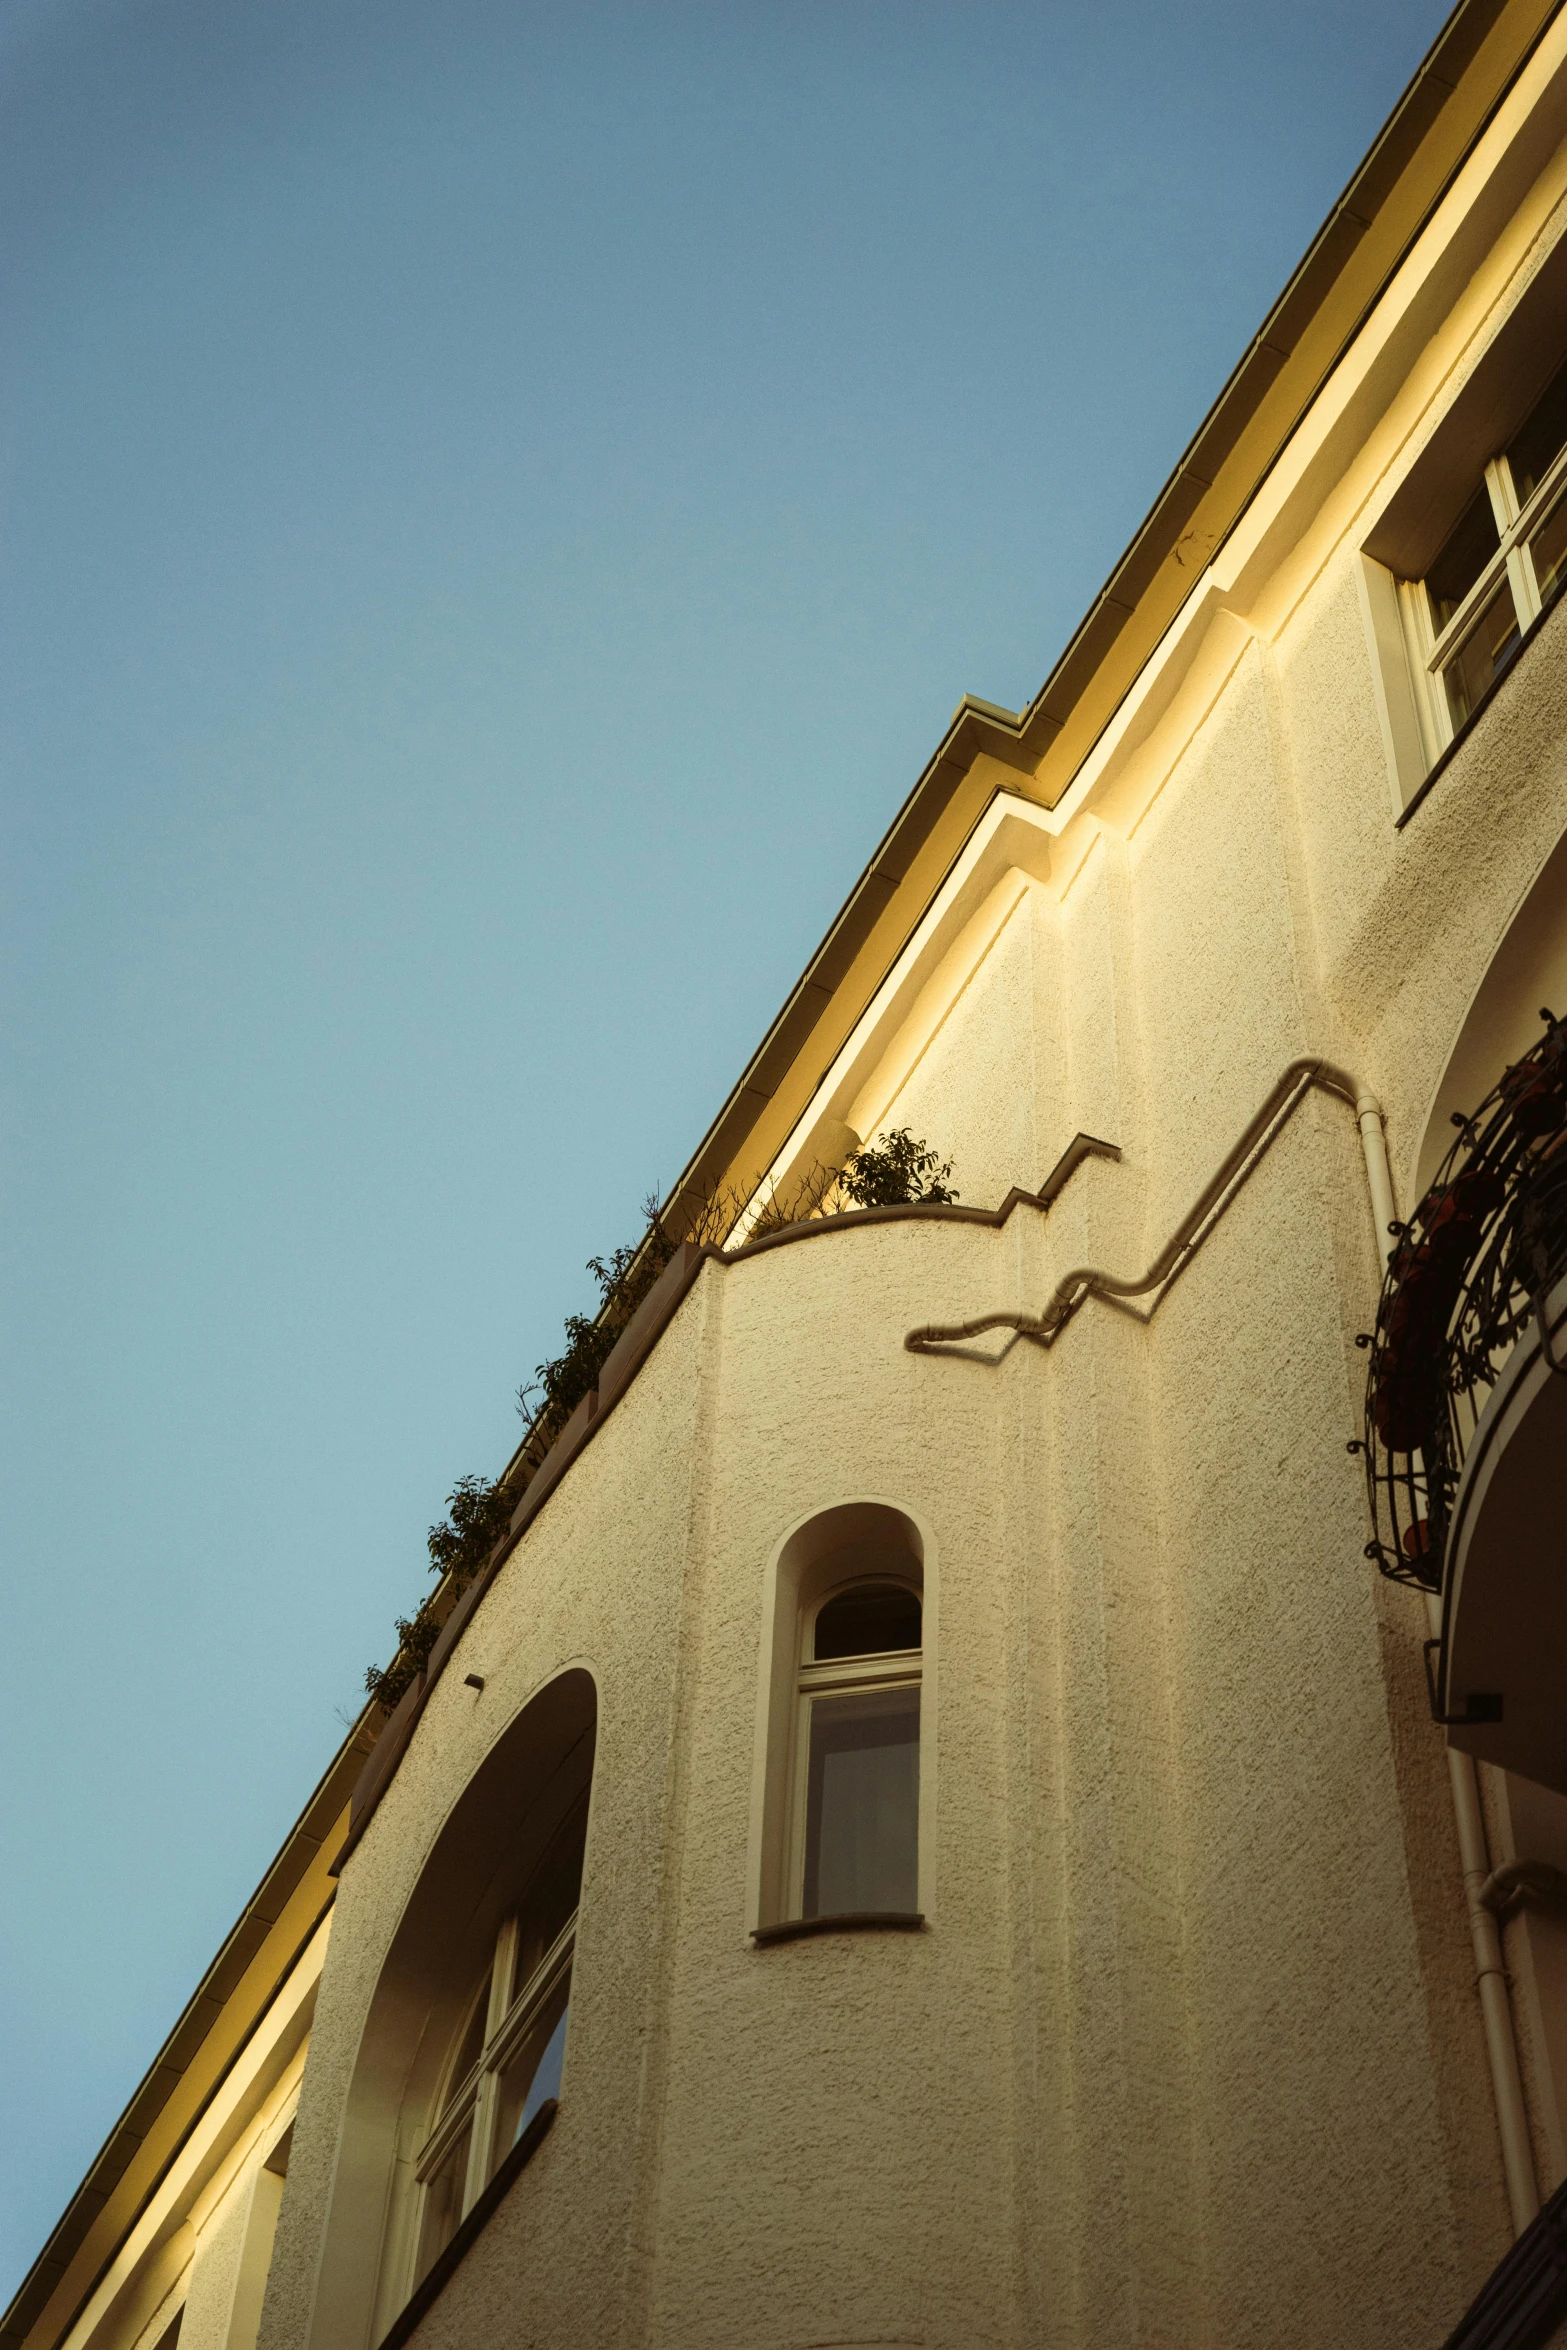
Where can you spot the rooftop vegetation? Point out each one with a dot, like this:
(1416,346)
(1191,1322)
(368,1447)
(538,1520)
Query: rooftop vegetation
(899,1171)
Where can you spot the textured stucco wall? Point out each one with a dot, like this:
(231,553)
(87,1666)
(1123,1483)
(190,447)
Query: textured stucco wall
(209,2321)
(1170,2009)
(1193,2002)
(973,1092)
(599,1582)
(1407,920)
(1189,2053)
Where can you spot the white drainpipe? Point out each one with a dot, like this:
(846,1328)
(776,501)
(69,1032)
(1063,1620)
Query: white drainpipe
(1379,1175)
(1501,2040)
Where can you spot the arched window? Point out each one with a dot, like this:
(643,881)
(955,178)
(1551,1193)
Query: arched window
(466,2039)
(839,1752)
(857,1798)
(506,2059)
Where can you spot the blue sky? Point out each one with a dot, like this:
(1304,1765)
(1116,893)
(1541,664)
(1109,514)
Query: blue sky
(497,506)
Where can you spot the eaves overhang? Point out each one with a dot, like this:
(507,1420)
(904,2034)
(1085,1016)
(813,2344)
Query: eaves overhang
(1466,74)
(190,2068)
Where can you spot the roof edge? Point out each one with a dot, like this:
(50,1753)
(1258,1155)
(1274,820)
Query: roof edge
(220,1994)
(1022,740)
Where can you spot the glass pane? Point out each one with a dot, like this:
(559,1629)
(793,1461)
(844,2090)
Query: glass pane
(1541,439)
(472,2041)
(443,2203)
(1469,549)
(1549,549)
(862,1803)
(869,1620)
(552,1895)
(1486,653)
(534,2072)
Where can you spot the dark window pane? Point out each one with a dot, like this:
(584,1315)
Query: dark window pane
(1487,650)
(869,1620)
(1469,549)
(534,2072)
(472,2041)
(862,1804)
(1541,440)
(552,1894)
(1549,549)
(442,2214)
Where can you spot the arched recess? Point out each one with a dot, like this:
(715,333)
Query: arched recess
(860,1542)
(1503,1620)
(492,1846)
(1527,971)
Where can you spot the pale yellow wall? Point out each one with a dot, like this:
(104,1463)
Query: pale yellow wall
(233,2253)
(1190,2052)
(201,2242)
(1171,2006)
(1527,975)
(602,1588)
(1407,922)
(976,1079)
(1217,1008)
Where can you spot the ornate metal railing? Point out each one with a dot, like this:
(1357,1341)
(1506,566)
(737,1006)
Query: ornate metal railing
(1472,1267)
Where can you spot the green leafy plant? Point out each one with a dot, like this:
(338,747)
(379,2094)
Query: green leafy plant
(898,1172)
(624,1278)
(814,1194)
(479,1510)
(478,1513)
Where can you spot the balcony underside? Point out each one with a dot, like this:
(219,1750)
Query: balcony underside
(1506,1583)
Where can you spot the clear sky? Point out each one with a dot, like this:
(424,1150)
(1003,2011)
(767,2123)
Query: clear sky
(499,503)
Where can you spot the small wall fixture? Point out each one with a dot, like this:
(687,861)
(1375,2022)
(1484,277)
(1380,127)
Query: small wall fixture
(473,1680)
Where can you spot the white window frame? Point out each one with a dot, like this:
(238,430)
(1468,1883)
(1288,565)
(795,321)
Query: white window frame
(851,1676)
(1432,653)
(510,2015)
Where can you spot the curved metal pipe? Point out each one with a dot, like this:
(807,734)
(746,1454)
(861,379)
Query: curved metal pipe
(1524,1884)
(1488,1892)
(1282,1100)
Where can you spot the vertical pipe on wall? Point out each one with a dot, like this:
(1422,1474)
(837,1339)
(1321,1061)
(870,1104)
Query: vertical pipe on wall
(1501,2039)
(1379,1176)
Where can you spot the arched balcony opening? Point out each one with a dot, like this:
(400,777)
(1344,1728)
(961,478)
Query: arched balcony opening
(465,2045)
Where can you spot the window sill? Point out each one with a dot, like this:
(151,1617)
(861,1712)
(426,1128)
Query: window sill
(433,2284)
(863,1921)
(1446,756)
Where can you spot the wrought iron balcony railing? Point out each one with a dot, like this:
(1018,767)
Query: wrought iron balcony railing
(1471,1270)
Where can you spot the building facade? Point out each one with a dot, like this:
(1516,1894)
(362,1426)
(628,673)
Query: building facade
(931,1828)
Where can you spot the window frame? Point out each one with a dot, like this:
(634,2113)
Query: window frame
(849,1537)
(1434,652)
(851,1676)
(473,2103)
